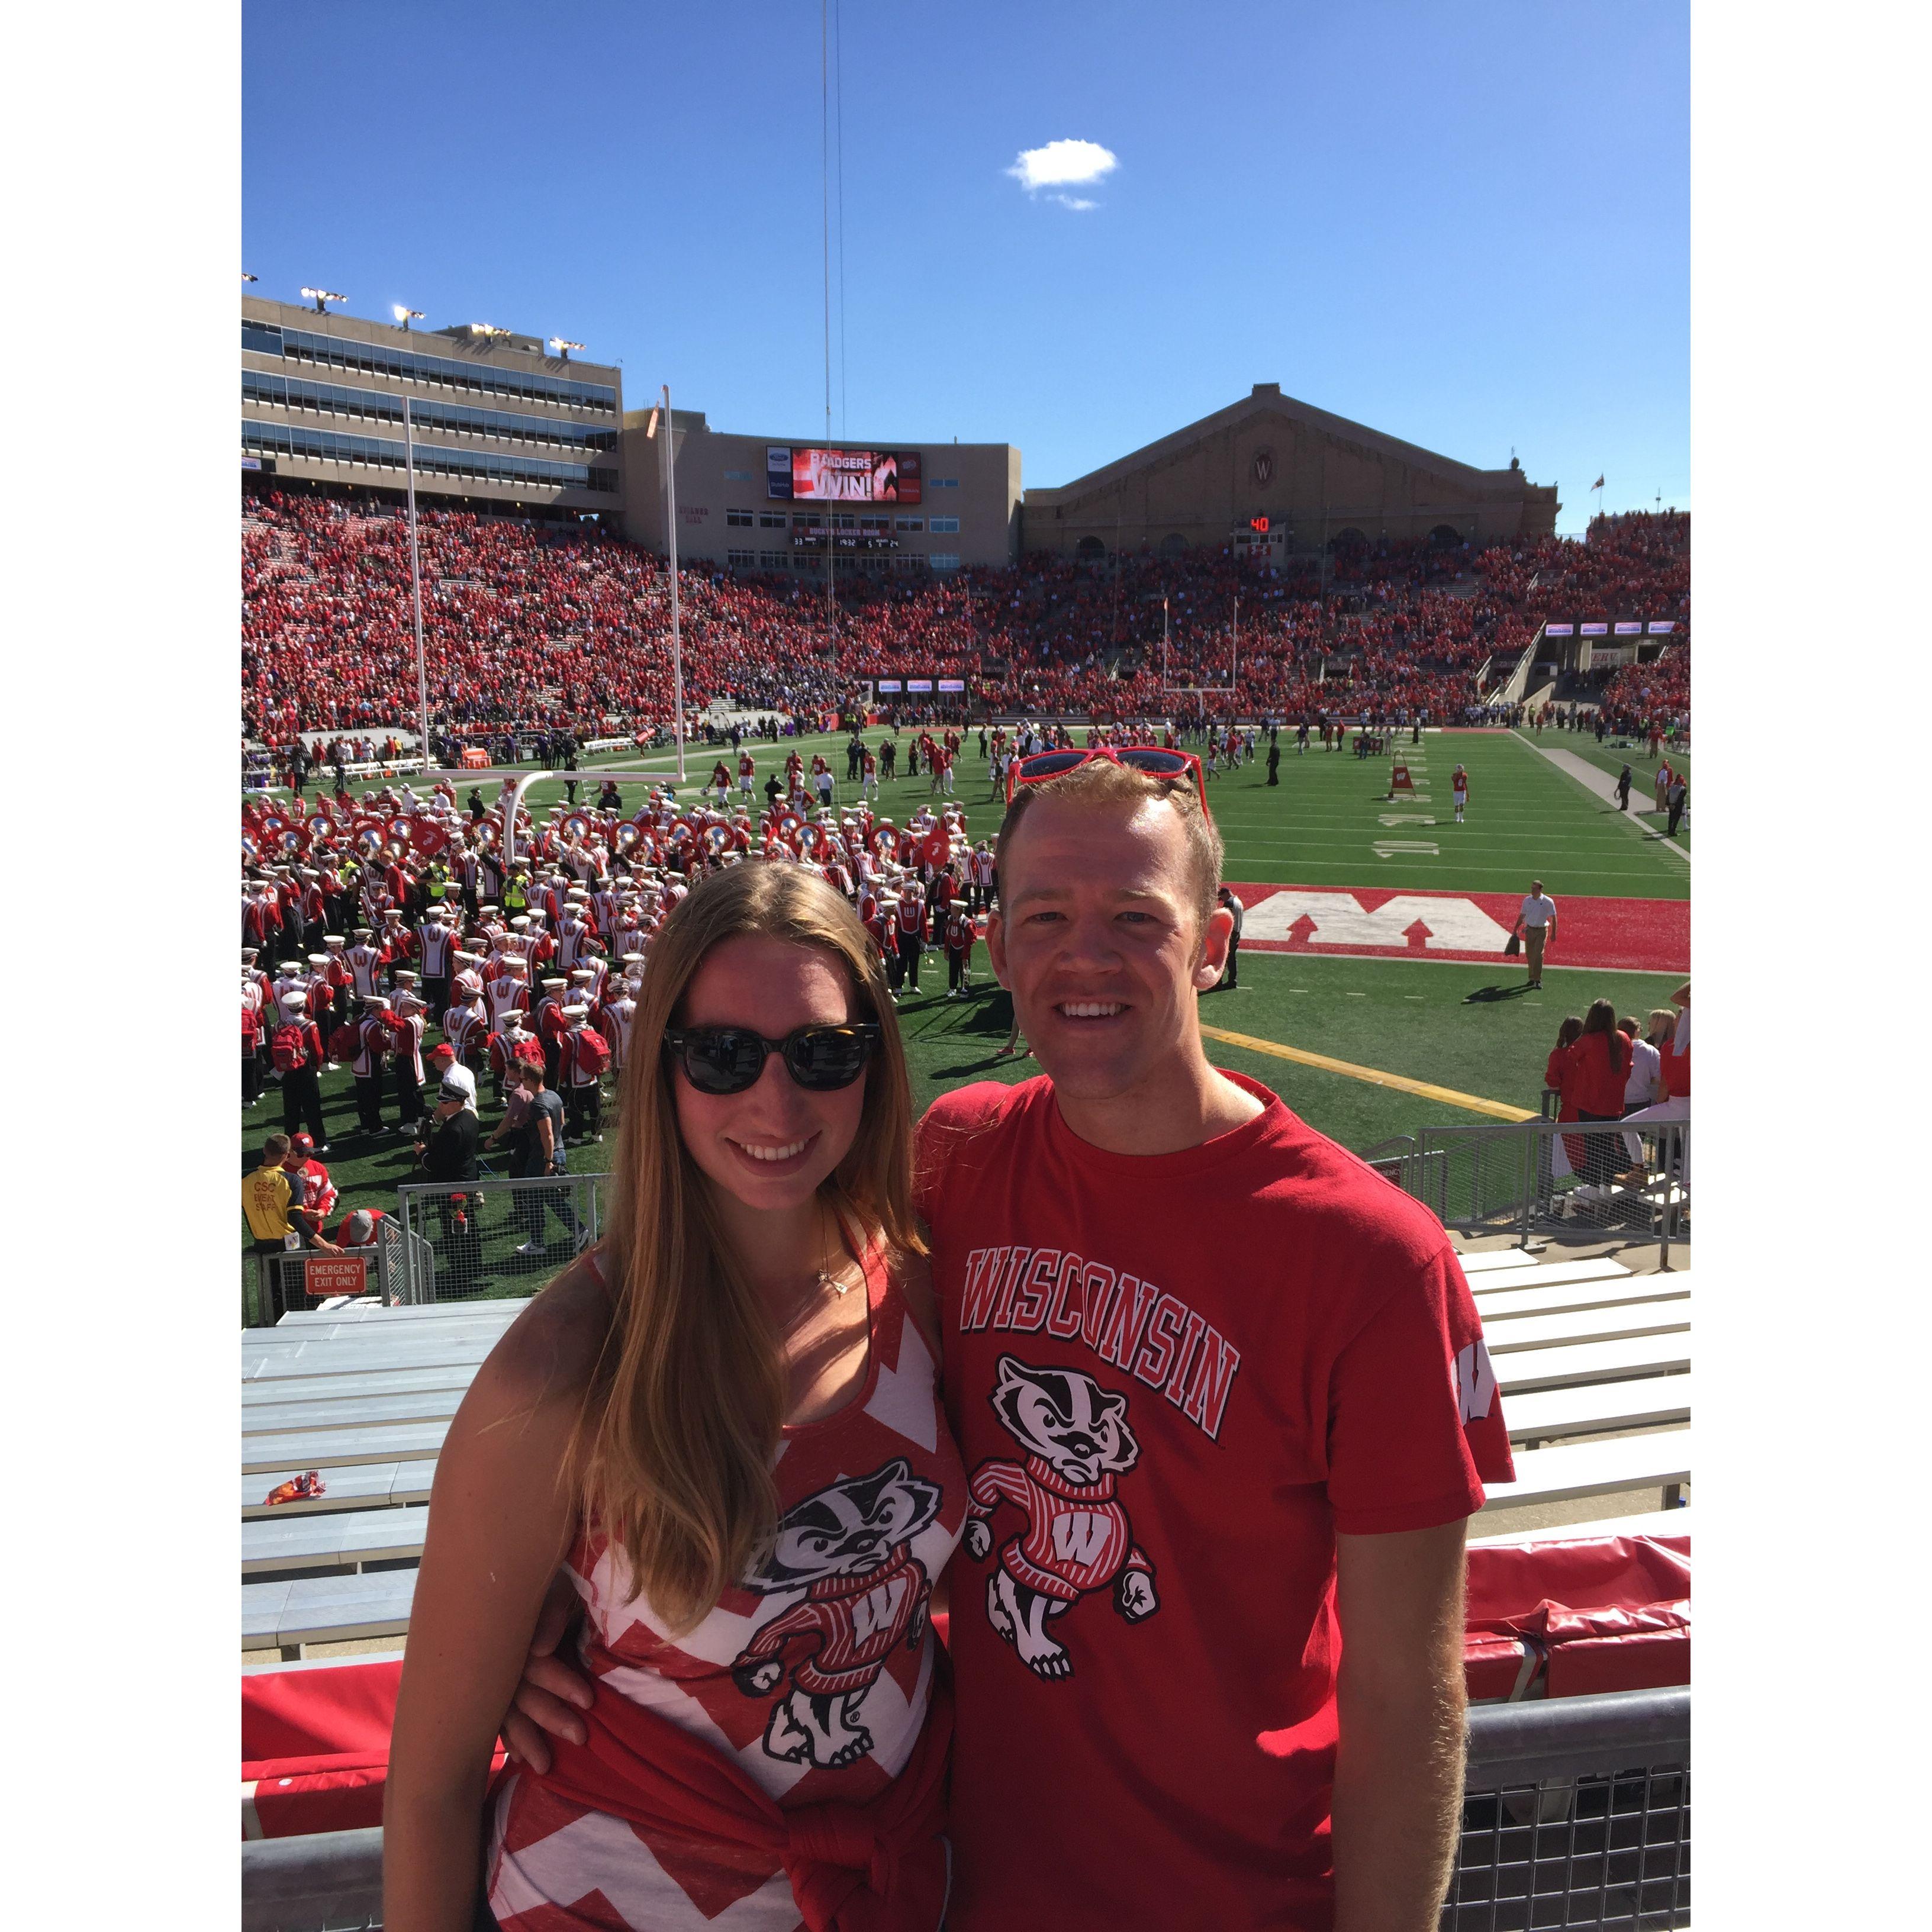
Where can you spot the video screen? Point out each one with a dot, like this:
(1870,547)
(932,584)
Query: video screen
(843,475)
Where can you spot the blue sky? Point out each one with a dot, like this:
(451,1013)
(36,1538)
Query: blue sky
(1468,227)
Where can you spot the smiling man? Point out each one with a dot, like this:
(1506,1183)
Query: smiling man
(1223,1400)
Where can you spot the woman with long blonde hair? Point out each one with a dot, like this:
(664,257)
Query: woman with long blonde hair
(725,1423)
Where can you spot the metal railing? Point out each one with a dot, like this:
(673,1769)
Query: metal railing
(480,1239)
(300,1278)
(1576,1811)
(1526,1176)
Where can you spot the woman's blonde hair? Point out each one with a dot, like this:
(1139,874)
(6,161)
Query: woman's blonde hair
(682,1418)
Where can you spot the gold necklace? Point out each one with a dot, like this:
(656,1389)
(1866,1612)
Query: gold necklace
(827,1280)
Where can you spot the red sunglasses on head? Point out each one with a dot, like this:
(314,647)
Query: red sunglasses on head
(1154,760)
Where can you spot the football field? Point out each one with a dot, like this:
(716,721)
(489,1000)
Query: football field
(1329,822)
(1374,996)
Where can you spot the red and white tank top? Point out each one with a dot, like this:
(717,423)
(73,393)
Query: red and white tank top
(814,1674)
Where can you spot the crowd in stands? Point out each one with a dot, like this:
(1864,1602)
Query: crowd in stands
(1636,698)
(553,628)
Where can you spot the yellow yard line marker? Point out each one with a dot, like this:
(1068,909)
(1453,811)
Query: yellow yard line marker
(1473,1102)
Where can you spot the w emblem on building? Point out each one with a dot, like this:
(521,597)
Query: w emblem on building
(1263,467)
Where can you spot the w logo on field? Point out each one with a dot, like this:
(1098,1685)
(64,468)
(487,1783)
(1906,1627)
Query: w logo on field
(1475,1383)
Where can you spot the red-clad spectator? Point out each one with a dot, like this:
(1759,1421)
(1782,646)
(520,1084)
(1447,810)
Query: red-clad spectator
(1600,1062)
(1559,1076)
(312,1195)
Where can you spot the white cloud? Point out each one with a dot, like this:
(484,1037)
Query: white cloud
(1064,164)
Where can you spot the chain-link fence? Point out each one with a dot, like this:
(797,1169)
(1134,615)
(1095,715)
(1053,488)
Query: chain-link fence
(491,1237)
(1576,1811)
(1622,1177)
(299,1278)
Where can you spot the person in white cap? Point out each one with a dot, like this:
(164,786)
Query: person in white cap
(582,1053)
(373,1041)
(341,982)
(397,942)
(407,1025)
(573,932)
(511,987)
(507,1047)
(291,977)
(587,983)
(295,1048)
(436,946)
(364,960)
(465,1026)
(619,1009)
(547,1020)
(256,1013)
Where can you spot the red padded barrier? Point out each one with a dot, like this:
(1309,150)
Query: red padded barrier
(1554,1619)
(315,1748)
(1590,1614)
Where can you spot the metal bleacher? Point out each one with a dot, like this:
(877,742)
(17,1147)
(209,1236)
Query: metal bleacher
(1592,1360)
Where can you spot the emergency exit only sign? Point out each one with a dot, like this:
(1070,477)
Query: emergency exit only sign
(336,1274)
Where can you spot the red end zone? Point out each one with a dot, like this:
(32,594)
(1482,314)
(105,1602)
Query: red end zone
(1627,935)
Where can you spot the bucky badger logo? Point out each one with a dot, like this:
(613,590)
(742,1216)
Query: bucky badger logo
(849,1545)
(1077,1538)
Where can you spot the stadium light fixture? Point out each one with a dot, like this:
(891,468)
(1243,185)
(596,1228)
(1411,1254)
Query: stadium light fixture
(246,277)
(321,298)
(405,316)
(563,347)
(486,329)
(415,590)
(670,547)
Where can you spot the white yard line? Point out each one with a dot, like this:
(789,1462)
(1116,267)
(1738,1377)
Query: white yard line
(1600,783)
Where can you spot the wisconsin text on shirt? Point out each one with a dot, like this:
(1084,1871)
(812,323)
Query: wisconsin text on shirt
(1154,1336)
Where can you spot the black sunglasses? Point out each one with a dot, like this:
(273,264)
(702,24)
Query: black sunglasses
(729,1059)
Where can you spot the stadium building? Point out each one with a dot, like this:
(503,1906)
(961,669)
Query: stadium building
(757,503)
(1274,477)
(498,425)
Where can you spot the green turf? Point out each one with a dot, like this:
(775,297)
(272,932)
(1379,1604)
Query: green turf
(1321,825)
(1470,1028)
(1643,767)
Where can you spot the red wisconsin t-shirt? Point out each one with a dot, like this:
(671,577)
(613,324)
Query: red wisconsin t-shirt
(1173,1378)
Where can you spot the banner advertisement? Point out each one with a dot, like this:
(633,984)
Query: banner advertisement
(1559,630)
(1630,630)
(919,684)
(1595,630)
(890,684)
(1668,625)
(953,684)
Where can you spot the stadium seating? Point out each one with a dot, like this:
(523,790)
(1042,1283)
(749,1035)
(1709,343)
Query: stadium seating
(1581,1349)
(1576,1470)
(529,627)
